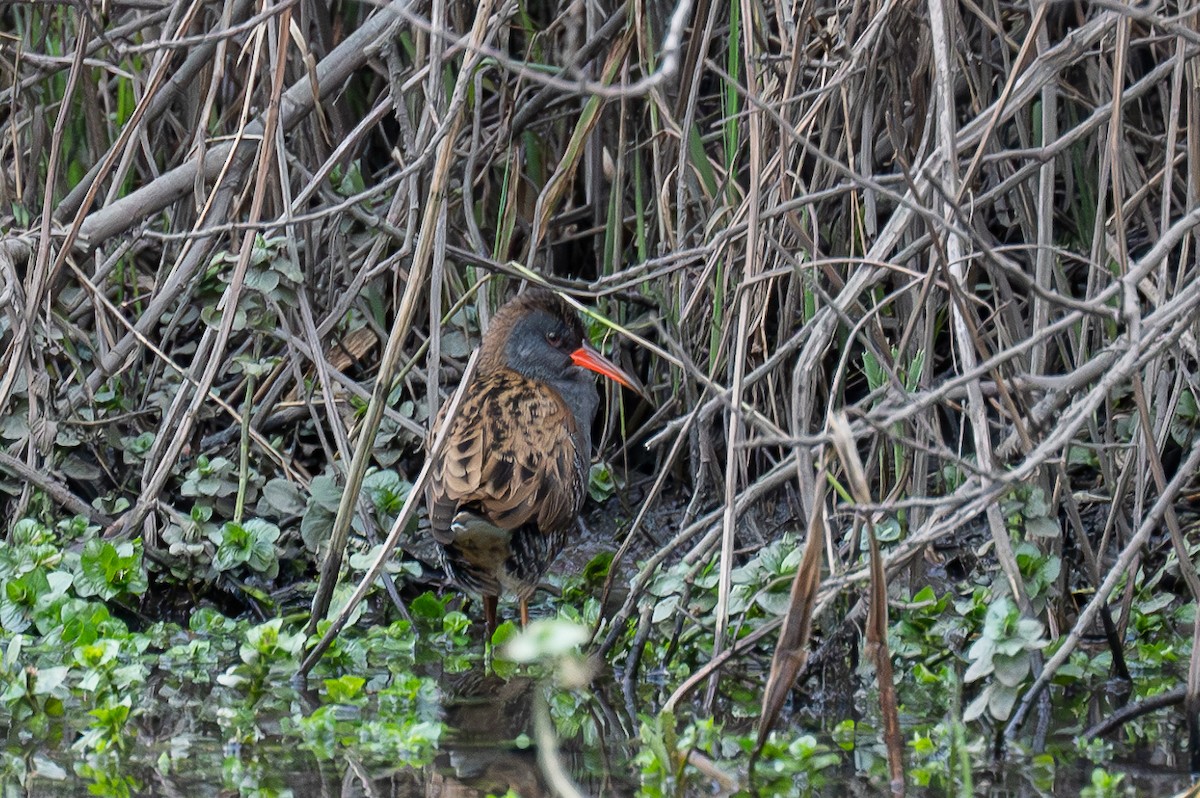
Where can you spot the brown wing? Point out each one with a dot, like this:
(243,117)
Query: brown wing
(510,457)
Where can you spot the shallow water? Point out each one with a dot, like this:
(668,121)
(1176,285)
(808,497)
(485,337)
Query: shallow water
(180,746)
(489,750)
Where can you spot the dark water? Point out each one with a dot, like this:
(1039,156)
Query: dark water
(490,750)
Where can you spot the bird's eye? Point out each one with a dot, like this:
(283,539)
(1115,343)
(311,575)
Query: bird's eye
(554,338)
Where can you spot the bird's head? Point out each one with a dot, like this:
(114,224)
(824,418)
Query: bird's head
(540,336)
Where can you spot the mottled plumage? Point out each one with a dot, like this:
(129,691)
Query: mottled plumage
(511,479)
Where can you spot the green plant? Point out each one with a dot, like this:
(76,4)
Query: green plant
(1026,507)
(108,571)
(249,543)
(1105,785)
(1003,651)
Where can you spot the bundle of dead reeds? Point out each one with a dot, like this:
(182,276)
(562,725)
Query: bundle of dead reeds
(969,228)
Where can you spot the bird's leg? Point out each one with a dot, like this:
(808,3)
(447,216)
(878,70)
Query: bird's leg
(489,617)
(524,613)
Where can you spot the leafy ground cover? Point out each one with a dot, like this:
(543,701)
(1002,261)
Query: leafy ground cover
(98,697)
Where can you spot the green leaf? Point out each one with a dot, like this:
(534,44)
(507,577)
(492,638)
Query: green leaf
(427,606)
(925,595)
(51,681)
(978,669)
(342,594)
(1035,504)
(887,530)
(601,482)
(326,492)
(264,281)
(289,270)
(108,571)
(976,708)
(597,568)
(1001,701)
(774,602)
(1042,527)
(268,642)
(344,689)
(250,543)
(874,373)
(665,609)
(386,490)
(283,496)
(455,344)
(1030,630)
(1011,670)
(316,526)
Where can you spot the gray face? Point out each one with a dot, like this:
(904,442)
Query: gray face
(540,348)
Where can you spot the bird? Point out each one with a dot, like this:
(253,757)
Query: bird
(508,484)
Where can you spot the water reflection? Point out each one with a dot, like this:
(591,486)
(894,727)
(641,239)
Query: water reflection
(489,718)
(489,749)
